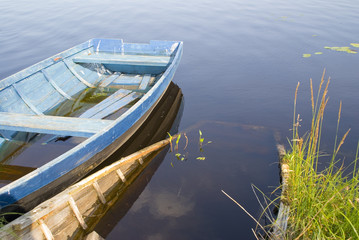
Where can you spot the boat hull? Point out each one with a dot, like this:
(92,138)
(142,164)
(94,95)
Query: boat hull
(46,181)
(102,190)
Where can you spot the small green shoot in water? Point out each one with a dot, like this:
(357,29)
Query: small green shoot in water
(177,141)
(183,157)
(201,140)
(170,141)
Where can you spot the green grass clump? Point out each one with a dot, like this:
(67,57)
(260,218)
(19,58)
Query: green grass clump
(324,204)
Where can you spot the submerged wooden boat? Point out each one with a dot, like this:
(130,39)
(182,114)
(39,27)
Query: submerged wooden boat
(73,213)
(100,91)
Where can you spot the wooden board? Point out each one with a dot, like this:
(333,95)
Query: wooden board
(145,81)
(109,80)
(104,105)
(116,105)
(141,60)
(67,126)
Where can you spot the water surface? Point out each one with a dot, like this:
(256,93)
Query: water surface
(241,63)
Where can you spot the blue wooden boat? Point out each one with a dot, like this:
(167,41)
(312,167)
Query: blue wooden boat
(123,82)
(83,206)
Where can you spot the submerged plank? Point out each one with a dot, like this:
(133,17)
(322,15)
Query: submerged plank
(109,80)
(103,105)
(67,126)
(114,104)
(13,172)
(127,79)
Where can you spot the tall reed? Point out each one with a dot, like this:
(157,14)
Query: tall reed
(324,204)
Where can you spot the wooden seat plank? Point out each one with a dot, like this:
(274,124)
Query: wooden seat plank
(140,60)
(67,126)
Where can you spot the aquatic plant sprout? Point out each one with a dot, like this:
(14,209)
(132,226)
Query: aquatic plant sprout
(184,156)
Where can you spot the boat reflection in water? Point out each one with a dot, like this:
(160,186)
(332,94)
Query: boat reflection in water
(77,210)
(165,118)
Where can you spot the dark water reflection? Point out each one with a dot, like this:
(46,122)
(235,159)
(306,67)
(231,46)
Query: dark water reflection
(241,63)
(185,201)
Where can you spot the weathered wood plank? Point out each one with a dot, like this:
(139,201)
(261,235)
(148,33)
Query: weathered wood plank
(99,192)
(26,100)
(60,74)
(78,76)
(116,106)
(145,82)
(45,230)
(127,79)
(105,104)
(109,80)
(120,175)
(54,84)
(39,92)
(138,60)
(108,182)
(93,236)
(64,228)
(67,126)
(77,213)
(87,200)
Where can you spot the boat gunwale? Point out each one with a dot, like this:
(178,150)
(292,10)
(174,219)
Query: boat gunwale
(39,66)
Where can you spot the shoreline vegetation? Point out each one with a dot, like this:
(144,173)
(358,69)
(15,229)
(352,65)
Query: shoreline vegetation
(319,198)
(324,204)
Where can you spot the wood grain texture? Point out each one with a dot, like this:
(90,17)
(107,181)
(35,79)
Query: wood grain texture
(67,126)
(139,60)
(79,205)
(145,81)
(103,105)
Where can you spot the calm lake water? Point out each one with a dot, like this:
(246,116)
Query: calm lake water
(241,63)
